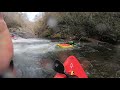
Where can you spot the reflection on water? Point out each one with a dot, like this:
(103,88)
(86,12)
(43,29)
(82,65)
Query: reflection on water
(35,60)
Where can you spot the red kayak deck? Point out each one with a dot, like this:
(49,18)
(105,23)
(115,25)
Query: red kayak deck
(72,65)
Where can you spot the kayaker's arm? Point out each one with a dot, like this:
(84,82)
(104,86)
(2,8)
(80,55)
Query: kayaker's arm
(6,46)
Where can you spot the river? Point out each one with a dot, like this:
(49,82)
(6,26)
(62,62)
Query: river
(33,58)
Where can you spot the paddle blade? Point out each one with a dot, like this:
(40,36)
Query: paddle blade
(58,67)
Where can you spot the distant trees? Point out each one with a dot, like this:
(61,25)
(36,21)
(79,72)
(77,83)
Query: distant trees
(19,21)
(104,26)
(15,19)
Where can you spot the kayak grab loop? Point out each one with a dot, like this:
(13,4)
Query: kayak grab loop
(72,73)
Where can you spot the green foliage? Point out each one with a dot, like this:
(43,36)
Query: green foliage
(104,26)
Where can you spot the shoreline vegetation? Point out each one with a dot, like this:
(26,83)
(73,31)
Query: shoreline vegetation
(94,27)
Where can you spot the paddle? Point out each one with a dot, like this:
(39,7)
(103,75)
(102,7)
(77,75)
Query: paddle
(58,67)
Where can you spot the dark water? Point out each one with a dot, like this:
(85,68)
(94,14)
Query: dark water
(33,59)
(99,62)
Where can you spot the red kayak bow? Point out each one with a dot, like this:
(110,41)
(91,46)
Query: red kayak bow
(72,67)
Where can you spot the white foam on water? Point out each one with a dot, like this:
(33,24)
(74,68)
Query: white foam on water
(21,40)
(37,46)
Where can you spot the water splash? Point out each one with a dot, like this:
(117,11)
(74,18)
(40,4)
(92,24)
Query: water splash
(52,22)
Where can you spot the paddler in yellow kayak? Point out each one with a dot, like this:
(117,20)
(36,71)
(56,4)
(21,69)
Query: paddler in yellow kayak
(69,44)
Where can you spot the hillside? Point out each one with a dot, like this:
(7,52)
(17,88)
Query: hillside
(102,26)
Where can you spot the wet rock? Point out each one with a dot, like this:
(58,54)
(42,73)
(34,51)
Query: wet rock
(111,67)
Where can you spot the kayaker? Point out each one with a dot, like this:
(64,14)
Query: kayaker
(6,46)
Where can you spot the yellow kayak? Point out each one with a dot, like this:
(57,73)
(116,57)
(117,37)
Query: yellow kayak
(65,45)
